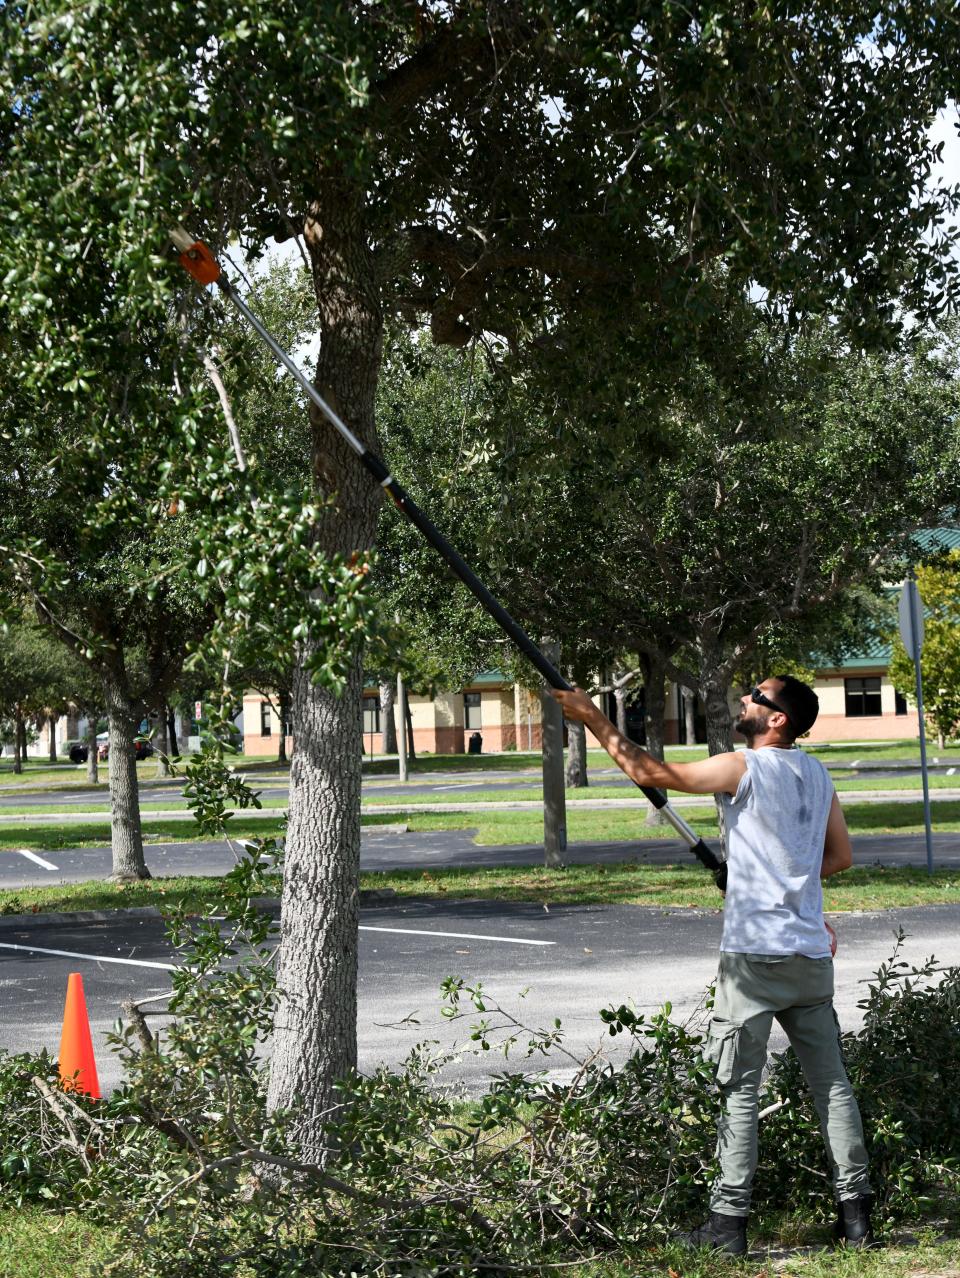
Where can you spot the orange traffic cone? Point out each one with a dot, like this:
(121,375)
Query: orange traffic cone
(78,1069)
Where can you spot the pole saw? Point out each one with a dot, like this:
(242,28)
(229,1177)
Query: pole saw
(199,261)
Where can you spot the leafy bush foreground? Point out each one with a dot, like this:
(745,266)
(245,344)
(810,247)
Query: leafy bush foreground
(203,1182)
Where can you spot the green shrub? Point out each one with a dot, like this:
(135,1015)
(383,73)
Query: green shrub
(900,1063)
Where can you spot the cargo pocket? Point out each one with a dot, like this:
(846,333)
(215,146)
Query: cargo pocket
(721,1048)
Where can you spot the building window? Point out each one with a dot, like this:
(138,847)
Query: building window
(900,703)
(266,726)
(371,715)
(471,711)
(862,697)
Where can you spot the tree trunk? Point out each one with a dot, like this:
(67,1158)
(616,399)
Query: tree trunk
(408,715)
(689,715)
(52,730)
(654,712)
(315,1029)
(719,719)
(554,797)
(719,728)
(125,832)
(93,770)
(163,761)
(388,724)
(19,753)
(284,699)
(576,756)
(172,734)
(620,698)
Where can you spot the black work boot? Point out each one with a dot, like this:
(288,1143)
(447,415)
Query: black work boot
(722,1233)
(853,1227)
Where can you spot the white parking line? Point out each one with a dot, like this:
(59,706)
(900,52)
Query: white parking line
(466,936)
(460,785)
(37,860)
(91,958)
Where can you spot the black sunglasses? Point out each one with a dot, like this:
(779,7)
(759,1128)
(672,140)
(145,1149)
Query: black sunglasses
(762,699)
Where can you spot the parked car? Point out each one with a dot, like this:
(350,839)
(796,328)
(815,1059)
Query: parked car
(142,747)
(77,750)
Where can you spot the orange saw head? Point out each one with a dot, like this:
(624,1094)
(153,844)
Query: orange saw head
(195,257)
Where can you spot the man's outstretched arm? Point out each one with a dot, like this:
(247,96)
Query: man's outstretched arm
(837,848)
(718,775)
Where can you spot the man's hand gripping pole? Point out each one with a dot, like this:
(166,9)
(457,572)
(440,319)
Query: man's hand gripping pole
(197,259)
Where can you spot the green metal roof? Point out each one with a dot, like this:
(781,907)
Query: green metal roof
(486,677)
(933,541)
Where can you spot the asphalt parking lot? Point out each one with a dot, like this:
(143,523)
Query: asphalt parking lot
(566,961)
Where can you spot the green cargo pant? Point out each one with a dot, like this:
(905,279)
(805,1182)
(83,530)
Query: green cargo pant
(752,989)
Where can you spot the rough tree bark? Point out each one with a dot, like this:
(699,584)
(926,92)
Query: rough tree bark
(388,724)
(654,712)
(315,1036)
(715,687)
(576,755)
(719,719)
(125,832)
(284,700)
(93,768)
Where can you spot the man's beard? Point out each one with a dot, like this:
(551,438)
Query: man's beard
(750,726)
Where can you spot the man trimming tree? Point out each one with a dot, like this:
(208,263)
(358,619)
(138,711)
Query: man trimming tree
(785,832)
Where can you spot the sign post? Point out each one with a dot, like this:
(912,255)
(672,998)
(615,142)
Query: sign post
(911,632)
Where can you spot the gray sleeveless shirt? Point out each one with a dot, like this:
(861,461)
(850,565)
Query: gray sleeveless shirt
(776,823)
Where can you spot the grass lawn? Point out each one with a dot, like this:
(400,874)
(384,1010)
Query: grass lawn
(493,828)
(34,1244)
(624,883)
(683,885)
(526,793)
(534,793)
(923,1257)
(842,751)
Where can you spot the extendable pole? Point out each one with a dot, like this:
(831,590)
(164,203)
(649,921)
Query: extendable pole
(198,260)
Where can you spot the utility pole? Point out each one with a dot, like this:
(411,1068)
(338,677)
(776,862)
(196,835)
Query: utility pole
(402,727)
(554,793)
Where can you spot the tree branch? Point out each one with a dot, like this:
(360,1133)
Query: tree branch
(451,54)
(214,374)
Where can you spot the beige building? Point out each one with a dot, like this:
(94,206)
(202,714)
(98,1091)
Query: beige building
(857,703)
